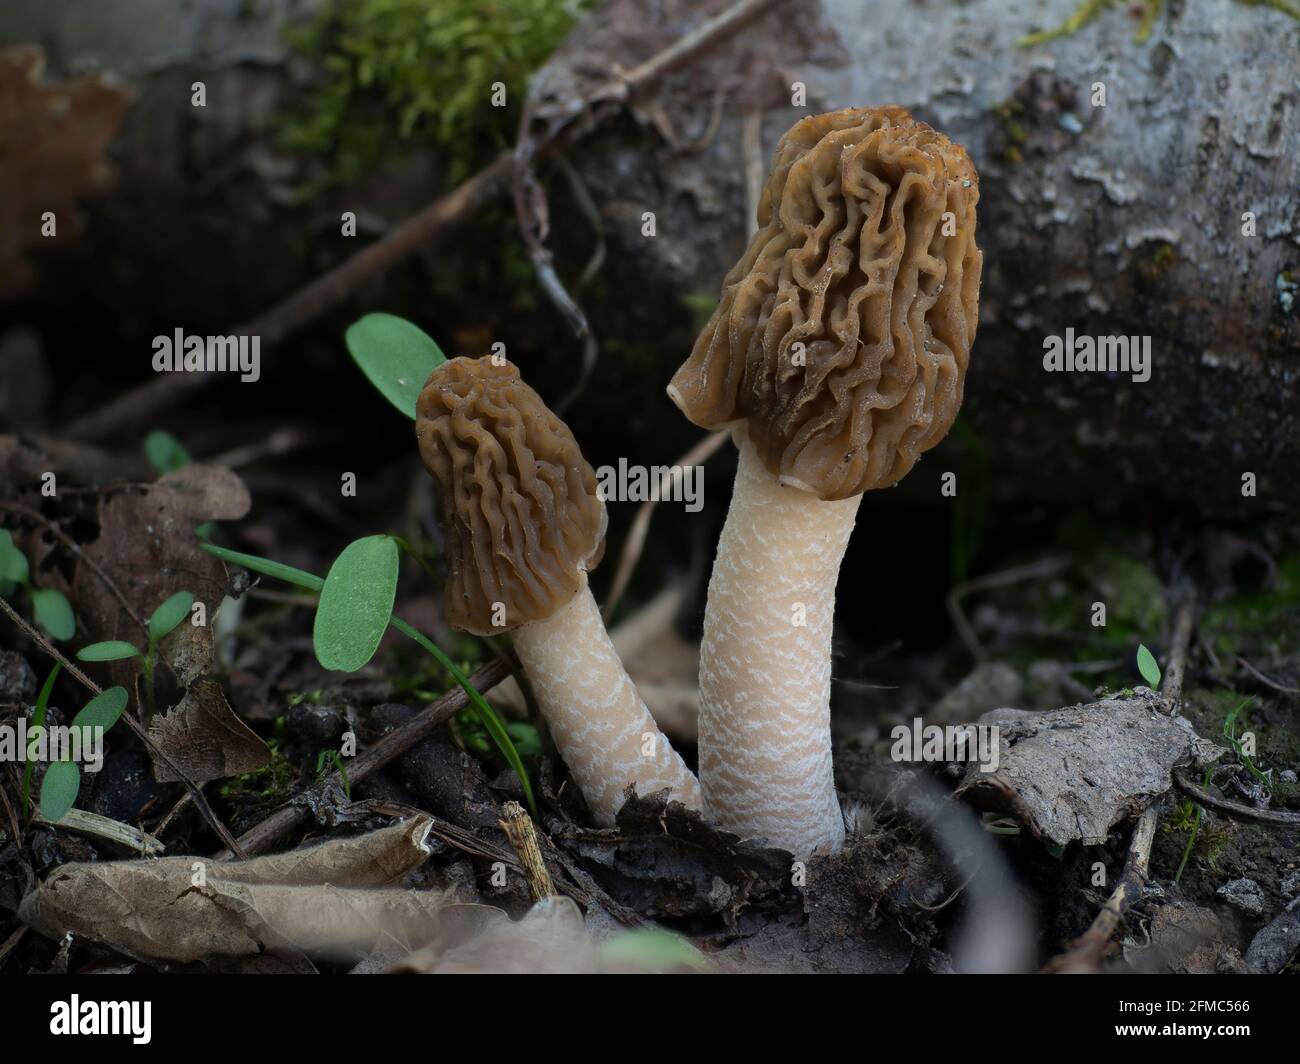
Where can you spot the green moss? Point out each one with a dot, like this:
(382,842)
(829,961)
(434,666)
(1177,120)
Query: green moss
(1147,10)
(396,72)
(1014,134)
(1159,263)
(1269,620)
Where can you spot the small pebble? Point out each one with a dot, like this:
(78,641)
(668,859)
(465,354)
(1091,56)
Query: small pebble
(1243,894)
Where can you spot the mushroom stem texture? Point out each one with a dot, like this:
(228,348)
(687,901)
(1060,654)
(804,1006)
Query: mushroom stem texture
(765,665)
(599,722)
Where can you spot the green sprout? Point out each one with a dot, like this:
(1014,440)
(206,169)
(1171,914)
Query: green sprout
(332,757)
(50,606)
(162,622)
(1147,666)
(165,452)
(62,782)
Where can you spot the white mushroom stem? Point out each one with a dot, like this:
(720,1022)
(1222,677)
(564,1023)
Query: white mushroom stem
(765,663)
(601,726)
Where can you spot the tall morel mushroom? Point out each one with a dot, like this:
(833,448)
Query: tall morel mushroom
(524,524)
(838,355)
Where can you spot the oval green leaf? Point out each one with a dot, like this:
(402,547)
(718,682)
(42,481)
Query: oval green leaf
(59,790)
(396,357)
(167,616)
(111,650)
(103,710)
(54,613)
(356,603)
(165,452)
(13,562)
(1147,666)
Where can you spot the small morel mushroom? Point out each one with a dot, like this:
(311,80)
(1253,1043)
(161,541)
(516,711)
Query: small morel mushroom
(524,524)
(838,355)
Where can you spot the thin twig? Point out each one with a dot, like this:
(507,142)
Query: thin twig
(7,946)
(1272,817)
(1034,570)
(1265,680)
(389,748)
(636,536)
(327,291)
(154,749)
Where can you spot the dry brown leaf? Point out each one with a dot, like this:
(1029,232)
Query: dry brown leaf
(205,739)
(52,142)
(148,548)
(327,898)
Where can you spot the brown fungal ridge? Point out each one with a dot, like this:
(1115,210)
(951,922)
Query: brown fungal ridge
(521,514)
(851,260)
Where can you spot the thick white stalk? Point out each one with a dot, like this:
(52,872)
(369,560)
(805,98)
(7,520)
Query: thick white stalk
(601,726)
(765,664)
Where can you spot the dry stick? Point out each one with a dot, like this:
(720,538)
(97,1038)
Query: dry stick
(158,753)
(1085,952)
(320,295)
(1265,680)
(1034,570)
(7,946)
(387,749)
(523,837)
(1272,817)
(310,302)
(636,536)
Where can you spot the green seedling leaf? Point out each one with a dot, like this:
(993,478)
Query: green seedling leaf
(396,357)
(111,650)
(276,570)
(13,562)
(356,603)
(59,790)
(167,616)
(311,582)
(165,452)
(54,612)
(37,726)
(103,710)
(1147,666)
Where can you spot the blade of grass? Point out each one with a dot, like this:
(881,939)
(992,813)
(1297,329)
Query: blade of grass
(487,715)
(38,721)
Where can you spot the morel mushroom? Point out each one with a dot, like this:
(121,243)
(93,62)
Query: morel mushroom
(524,524)
(838,355)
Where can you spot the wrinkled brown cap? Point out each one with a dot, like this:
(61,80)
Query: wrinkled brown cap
(852,261)
(521,514)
